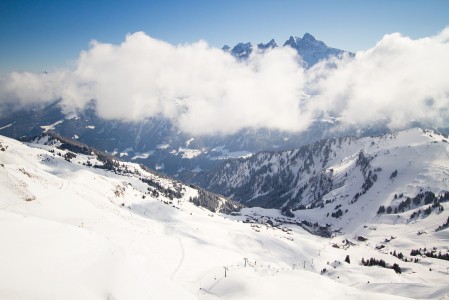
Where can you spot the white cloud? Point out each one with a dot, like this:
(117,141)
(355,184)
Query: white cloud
(400,79)
(206,91)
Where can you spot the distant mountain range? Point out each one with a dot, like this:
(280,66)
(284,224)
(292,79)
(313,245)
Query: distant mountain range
(340,175)
(308,47)
(157,144)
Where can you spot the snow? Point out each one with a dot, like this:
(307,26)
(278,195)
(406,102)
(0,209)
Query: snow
(90,234)
(224,153)
(186,153)
(189,153)
(189,141)
(6,126)
(71,116)
(125,152)
(162,146)
(143,155)
(51,126)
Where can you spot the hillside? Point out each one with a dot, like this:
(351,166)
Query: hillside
(70,230)
(340,176)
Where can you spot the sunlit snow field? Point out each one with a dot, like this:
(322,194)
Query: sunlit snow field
(68,231)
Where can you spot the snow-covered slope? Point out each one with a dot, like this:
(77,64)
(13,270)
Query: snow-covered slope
(341,176)
(69,230)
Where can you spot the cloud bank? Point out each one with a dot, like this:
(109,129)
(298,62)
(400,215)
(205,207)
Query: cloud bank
(205,91)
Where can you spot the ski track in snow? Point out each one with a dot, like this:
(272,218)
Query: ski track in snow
(181,259)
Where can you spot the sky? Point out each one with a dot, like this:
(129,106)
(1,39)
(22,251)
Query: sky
(39,35)
(139,60)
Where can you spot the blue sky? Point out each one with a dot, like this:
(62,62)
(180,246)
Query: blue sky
(41,35)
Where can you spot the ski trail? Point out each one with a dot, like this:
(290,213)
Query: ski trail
(63,189)
(139,133)
(181,260)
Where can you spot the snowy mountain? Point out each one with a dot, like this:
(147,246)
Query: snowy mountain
(157,144)
(341,176)
(242,50)
(309,49)
(76,223)
(312,50)
(159,185)
(270,45)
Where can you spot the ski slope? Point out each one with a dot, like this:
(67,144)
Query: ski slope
(70,231)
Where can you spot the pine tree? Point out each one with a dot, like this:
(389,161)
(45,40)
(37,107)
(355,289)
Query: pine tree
(397,269)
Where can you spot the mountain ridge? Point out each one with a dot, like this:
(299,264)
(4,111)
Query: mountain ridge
(342,172)
(158,144)
(101,160)
(308,48)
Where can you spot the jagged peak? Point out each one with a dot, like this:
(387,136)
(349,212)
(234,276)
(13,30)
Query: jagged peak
(308,37)
(241,44)
(242,50)
(290,42)
(309,49)
(270,45)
